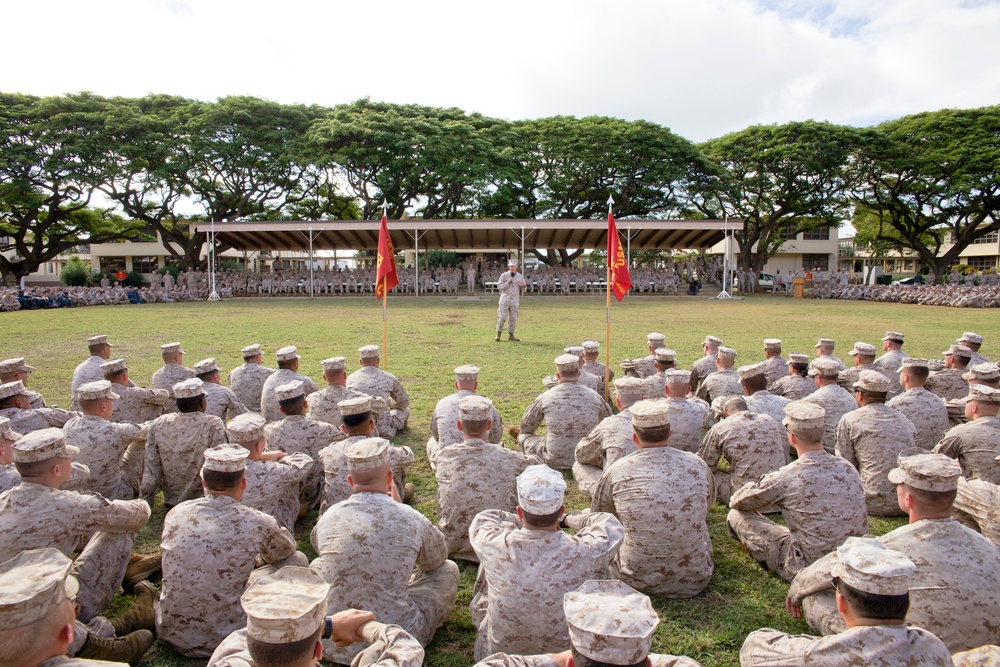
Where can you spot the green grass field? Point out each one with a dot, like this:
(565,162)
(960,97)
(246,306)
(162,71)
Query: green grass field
(429,336)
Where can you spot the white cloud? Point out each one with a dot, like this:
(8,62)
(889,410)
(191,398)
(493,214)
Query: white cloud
(702,68)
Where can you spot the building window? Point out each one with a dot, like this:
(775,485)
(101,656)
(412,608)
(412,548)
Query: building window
(787,233)
(983,262)
(992,237)
(145,264)
(818,234)
(816,262)
(112,264)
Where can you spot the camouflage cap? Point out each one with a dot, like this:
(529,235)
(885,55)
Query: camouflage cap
(982,373)
(750,371)
(914,362)
(290,390)
(190,388)
(367,454)
(655,337)
(863,349)
(712,340)
(825,342)
(825,367)
(872,381)
(650,413)
(15,388)
(893,336)
(866,564)
(95,390)
(287,606)
(356,405)
(225,458)
(368,351)
(205,366)
(610,622)
(101,339)
(677,376)
(15,365)
(467,373)
(591,345)
(42,445)
(970,337)
(981,393)
(576,350)
(800,416)
(727,352)
(628,386)
(540,490)
(926,470)
(567,362)
(982,656)
(33,585)
(512,262)
(665,354)
(796,358)
(171,348)
(474,408)
(334,364)
(113,366)
(287,353)
(246,429)
(251,351)
(959,350)
(773,344)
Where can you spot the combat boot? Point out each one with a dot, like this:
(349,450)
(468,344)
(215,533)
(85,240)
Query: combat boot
(498,336)
(510,336)
(408,492)
(117,649)
(142,615)
(141,568)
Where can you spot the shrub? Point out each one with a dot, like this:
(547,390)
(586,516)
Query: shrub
(76,273)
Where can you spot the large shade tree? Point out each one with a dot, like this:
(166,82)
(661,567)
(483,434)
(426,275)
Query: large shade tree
(45,197)
(931,180)
(565,167)
(780,180)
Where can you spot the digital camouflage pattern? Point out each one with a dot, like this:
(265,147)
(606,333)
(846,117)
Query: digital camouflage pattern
(753,444)
(570,411)
(926,411)
(474,475)
(975,445)
(606,443)
(114,453)
(981,500)
(821,500)
(210,547)
(836,402)
(334,463)
(269,407)
(868,646)
(871,438)
(377,382)
(247,382)
(175,448)
(954,593)
(662,496)
(523,575)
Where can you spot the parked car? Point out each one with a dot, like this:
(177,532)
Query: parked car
(912,280)
(765,280)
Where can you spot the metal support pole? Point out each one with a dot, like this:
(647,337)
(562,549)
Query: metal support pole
(213,295)
(724,294)
(311,262)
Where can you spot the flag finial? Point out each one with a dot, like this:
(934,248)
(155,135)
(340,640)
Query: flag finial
(611,200)
(384,206)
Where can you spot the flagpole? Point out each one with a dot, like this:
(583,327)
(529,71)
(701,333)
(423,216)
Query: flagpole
(385,303)
(607,322)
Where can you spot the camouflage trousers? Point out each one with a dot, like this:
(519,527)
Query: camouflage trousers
(390,421)
(100,568)
(507,312)
(587,477)
(767,542)
(98,625)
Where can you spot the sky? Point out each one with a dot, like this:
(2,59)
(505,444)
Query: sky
(703,68)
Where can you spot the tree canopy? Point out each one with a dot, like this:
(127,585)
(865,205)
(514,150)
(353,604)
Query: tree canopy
(82,168)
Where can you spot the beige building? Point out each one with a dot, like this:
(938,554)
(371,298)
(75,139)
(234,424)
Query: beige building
(815,250)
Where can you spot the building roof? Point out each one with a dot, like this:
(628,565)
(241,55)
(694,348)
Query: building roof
(475,233)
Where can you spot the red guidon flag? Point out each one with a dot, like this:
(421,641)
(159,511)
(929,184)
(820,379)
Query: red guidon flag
(385,268)
(621,282)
